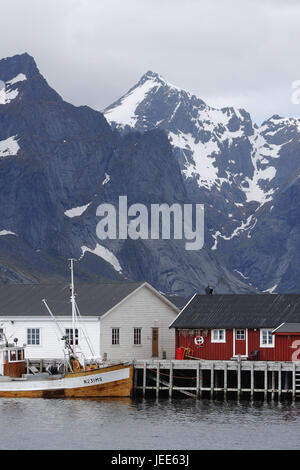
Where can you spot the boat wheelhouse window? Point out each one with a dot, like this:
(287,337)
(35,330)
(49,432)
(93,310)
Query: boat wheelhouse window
(13,356)
(33,336)
(137,336)
(20,353)
(115,336)
(240,334)
(267,340)
(69,334)
(218,336)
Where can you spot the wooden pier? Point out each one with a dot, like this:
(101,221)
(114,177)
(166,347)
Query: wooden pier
(202,378)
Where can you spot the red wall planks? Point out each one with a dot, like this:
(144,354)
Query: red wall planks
(282,351)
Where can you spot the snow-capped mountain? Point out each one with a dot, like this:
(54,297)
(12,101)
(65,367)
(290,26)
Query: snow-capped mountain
(58,163)
(236,168)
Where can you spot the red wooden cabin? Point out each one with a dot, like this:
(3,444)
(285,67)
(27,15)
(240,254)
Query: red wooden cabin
(262,327)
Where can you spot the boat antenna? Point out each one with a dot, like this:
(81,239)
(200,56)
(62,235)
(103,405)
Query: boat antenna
(73,305)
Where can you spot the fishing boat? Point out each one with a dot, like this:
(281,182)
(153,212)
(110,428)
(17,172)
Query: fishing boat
(76,377)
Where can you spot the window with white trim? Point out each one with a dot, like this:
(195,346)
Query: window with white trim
(218,336)
(1,334)
(240,334)
(33,336)
(115,336)
(137,336)
(69,335)
(267,340)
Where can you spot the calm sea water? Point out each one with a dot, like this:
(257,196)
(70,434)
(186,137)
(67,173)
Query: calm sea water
(148,424)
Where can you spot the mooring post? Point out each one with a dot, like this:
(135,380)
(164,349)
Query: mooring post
(294,381)
(273,384)
(212,380)
(279,381)
(157,380)
(135,381)
(239,378)
(171,380)
(198,380)
(225,380)
(252,380)
(266,382)
(201,381)
(144,378)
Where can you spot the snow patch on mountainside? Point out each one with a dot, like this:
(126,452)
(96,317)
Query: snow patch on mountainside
(124,113)
(6,232)
(9,147)
(245,226)
(7,93)
(19,78)
(76,211)
(106,179)
(203,158)
(103,253)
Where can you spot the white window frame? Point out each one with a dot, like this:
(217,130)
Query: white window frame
(119,336)
(268,345)
(237,333)
(140,336)
(218,340)
(40,337)
(69,336)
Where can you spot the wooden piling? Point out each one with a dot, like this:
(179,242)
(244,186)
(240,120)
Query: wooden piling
(294,381)
(198,385)
(157,380)
(252,381)
(239,380)
(212,373)
(171,380)
(266,382)
(225,380)
(279,381)
(273,385)
(144,379)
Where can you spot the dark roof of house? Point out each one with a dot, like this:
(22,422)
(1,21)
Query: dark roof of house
(239,311)
(177,300)
(288,328)
(92,299)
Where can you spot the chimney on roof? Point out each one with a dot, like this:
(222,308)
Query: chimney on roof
(209,290)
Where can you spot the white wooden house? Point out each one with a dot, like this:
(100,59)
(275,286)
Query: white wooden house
(122,320)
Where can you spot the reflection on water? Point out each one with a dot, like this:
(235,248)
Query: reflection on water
(123,423)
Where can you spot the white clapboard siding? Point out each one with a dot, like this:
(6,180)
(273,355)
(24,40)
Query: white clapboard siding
(50,344)
(143,309)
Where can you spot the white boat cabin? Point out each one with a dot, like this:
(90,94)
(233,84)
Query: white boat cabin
(12,361)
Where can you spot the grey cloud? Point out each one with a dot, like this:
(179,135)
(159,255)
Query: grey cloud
(236,52)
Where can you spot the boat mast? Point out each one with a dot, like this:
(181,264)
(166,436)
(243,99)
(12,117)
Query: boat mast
(73,306)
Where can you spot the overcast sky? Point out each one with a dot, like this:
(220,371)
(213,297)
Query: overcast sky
(242,53)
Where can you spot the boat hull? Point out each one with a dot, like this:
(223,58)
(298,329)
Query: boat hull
(111,381)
